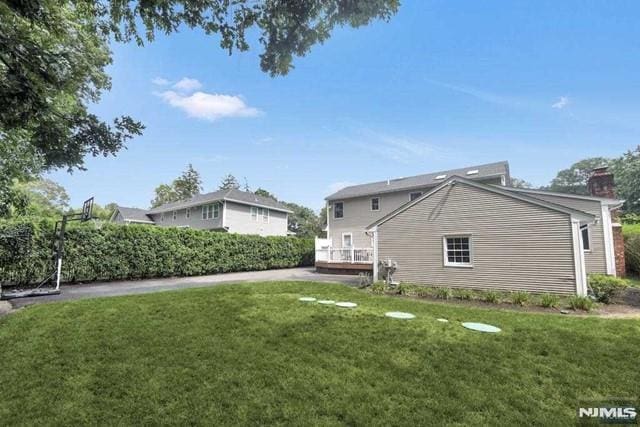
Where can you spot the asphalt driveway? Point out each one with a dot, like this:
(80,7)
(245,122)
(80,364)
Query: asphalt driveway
(131,287)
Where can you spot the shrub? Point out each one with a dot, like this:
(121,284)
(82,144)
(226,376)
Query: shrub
(464,294)
(578,302)
(606,287)
(632,250)
(492,297)
(549,301)
(403,289)
(116,252)
(378,288)
(519,297)
(443,293)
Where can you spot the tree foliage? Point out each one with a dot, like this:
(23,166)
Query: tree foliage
(286,28)
(574,179)
(229,182)
(627,178)
(187,185)
(520,183)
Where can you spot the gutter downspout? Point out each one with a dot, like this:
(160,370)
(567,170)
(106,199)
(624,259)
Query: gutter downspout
(609,248)
(578,258)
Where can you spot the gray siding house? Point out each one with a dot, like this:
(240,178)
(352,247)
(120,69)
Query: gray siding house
(231,210)
(467,228)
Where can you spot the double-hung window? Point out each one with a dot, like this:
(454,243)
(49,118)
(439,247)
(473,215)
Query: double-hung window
(187,213)
(174,215)
(457,251)
(210,211)
(375,204)
(259,214)
(338,210)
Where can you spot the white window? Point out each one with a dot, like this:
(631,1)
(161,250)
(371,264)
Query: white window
(347,240)
(586,238)
(187,213)
(457,251)
(375,204)
(414,195)
(210,211)
(338,210)
(258,214)
(174,215)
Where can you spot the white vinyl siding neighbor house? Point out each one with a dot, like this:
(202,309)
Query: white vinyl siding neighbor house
(233,211)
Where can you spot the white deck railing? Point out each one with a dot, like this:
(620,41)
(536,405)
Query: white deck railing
(349,255)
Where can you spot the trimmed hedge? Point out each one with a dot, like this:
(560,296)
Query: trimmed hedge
(632,247)
(116,252)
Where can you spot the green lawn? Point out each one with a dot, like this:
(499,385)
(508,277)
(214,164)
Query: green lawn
(252,354)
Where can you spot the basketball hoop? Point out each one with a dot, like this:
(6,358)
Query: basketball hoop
(51,284)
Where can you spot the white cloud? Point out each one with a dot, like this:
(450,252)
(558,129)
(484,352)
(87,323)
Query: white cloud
(562,102)
(332,188)
(160,81)
(482,95)
(209,106)
(187,85)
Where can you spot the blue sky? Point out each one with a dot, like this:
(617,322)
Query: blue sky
(442,85)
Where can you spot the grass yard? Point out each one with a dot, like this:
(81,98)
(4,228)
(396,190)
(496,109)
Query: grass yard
(253,354)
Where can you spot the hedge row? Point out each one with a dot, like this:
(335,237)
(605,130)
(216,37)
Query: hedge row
(138,251)
(632,253)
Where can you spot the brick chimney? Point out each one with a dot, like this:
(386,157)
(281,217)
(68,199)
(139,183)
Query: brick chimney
(601,184)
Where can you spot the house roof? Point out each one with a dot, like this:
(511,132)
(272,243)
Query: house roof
(582,216)
(422,181)
(134,215)
(232,195)
(534,192)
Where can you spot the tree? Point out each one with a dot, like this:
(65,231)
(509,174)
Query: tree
(286,28)
(229,182)
(52,65)
(187,185)
(520,183)
(264,193)
(104,212)
(303,221)
(626,171)
(574,179)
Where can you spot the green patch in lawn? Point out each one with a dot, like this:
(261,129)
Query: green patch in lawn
(253,354)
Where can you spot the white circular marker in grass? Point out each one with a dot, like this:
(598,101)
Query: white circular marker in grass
(400,315)
(306,299)
(481,327)
(346,304)
(442,320)
(326,302)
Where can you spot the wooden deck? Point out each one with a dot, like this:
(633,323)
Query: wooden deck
(343,267)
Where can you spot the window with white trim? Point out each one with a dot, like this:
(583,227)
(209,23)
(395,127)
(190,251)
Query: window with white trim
(375,204)
(210,211)
(586,238)
(457,251)
(347,240)
(187,213)
(414,195)
(338,210)
(174,215)
(259,213)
